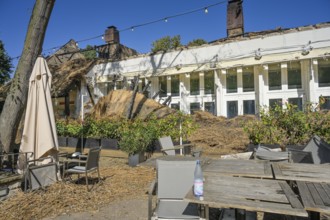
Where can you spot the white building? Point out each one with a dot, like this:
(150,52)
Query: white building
(235,75)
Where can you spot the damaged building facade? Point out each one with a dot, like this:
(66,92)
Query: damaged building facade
(235,75)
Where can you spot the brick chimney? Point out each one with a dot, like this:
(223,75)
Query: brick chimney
(235,21)
(111,35)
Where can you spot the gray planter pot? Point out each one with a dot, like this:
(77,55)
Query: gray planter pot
(135,159)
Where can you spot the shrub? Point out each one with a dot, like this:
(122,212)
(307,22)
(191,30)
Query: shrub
(288,126)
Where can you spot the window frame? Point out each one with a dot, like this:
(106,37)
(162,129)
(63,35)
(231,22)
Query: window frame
(293,70)
(274,77)
(194,84)
(231,80)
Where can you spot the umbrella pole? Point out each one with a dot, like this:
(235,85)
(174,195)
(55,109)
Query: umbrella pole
(82,121)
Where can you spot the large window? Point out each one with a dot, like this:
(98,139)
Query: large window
(294,75)
(162,86)
(248,79)
(175,106)
(210,107)
(119,84)
(297,102)
(195,106)
(209,82)
(175,85)
(274,77)
(324,72)
(275,102)
(194,84)
(232,109)
(231,81)
(249,107)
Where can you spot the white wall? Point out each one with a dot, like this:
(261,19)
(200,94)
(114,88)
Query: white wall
(275,48)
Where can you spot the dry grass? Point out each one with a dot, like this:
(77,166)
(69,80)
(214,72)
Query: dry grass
(119,182)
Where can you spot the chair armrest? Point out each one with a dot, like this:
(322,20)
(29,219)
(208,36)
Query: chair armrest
(151,191)
(83,157)
(173,148)
(184,145)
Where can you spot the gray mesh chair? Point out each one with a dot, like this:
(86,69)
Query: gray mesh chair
(264,153)
(319,149)
(91,165)
(174,180)
(168,148)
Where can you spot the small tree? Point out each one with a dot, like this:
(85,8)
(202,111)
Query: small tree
(196,42)
(166,43)
(5,65)
(90,52)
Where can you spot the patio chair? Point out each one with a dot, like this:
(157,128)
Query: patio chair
(91,165)
(264,153)
(319,149)
(168,148)
(40,176)
(174,180)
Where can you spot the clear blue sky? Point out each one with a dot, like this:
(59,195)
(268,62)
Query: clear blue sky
(83,19)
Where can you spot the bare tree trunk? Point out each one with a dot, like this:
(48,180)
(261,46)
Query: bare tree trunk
(131,103)
(17,97)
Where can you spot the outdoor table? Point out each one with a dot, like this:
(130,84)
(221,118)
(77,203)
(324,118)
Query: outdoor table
(315,197)
(250,194)
(242,168)
(302,172)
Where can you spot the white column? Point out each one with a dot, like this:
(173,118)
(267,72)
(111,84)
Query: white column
(201,90)
(261,87)
(168,85)
(284,76)
(313,83)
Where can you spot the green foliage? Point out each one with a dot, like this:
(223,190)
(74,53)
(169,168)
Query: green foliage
(166,43)
(74,129)
(288,126)
(196,42)
(5,65)
(133,135)
(101,128)
(90,53)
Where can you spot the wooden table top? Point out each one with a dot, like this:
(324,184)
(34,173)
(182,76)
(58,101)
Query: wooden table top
(315,196)
(242,168)
(250,194)
(302,172)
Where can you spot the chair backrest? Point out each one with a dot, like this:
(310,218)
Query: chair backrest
(299,156)
(273,155)
(320,150)
(93,158)
(166,143)
(175,178)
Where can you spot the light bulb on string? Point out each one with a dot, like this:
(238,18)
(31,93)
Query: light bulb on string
(132,28)
(206,10)
(166,20)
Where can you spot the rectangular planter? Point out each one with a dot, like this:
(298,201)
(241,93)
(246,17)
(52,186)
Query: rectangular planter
(91,142)
(109,144)
(62,141)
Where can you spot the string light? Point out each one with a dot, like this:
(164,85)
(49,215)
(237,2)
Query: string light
(206,10)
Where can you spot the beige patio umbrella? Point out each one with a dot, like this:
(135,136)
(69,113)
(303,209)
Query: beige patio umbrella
(39,133)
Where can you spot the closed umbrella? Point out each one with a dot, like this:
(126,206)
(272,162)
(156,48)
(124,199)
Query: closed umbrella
(39,133)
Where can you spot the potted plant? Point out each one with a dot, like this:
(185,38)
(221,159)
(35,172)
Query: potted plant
(61,133)
(134,140)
